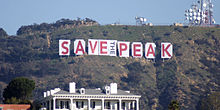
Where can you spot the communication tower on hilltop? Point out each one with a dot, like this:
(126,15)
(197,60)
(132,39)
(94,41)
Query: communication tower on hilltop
(140,20)
(200,13)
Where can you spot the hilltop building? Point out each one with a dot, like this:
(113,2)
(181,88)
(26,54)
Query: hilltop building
(108,98)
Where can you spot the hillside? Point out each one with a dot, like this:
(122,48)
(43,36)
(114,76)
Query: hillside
(192,73)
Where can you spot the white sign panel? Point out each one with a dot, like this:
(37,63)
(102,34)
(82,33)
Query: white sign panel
(103,47)
(112,47)
(137,49)
(64,47)
(123,49)
(150,49)
(79,47)
(93,47)
(166,50)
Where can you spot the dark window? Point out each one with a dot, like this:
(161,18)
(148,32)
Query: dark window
(51,104)
(67,104)
(82,104)
(131,105)
(107,92)
(107,105)
(123,105)
(77,104)
(93,105)
(61,104)
(47,105)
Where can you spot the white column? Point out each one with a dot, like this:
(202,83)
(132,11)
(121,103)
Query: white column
(126,104)
(71,104)
(50,104)
(116,106)
(111,105)
(137,104)
(88,104)
(64,104)
(129,105)
(119,104)
(54,103)
(74,104)
(133,102)
(103,104)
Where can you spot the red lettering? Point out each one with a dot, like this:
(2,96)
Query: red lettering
(66,48)
(93,48)
(136,50)
(125,47)
(150,50)
(102,47)
(80,48)
(165,50)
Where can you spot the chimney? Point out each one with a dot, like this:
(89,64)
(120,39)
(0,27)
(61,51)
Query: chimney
(72,87)
(48,93)
(57,90)
(113,88)
(45,94)
(52,92)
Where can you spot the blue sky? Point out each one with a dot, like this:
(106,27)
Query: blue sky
(15,13)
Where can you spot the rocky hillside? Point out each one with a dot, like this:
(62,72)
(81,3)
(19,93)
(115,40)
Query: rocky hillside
(192,73)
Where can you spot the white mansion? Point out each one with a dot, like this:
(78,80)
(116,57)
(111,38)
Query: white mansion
(108,98)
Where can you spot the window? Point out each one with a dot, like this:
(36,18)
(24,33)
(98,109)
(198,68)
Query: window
(93,104)
(107,105)
(67,104)
(117,105)
(82,105)
(1,108)
(82,91)
(77,104)
(123,105)
(61,104)
(57,104)
(107,92)
(131,105)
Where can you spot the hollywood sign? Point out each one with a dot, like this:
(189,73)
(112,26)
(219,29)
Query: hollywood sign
(111,47)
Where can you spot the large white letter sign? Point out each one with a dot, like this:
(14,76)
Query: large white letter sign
(93,47)
(79,47)
(123,49)
(150,50)
(166,50)
(137,49)
(64,47)
(103,47)
(112,47)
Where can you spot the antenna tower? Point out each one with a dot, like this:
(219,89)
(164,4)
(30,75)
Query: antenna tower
(200,13)
(140,20)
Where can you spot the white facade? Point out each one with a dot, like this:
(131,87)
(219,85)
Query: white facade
(110,98)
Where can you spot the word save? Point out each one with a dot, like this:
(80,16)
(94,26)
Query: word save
(114,48)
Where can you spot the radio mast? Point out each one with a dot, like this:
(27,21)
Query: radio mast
(200,13)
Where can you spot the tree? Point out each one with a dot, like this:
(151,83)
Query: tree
(174,105)
(19,90)
(2,32)
(211,102)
